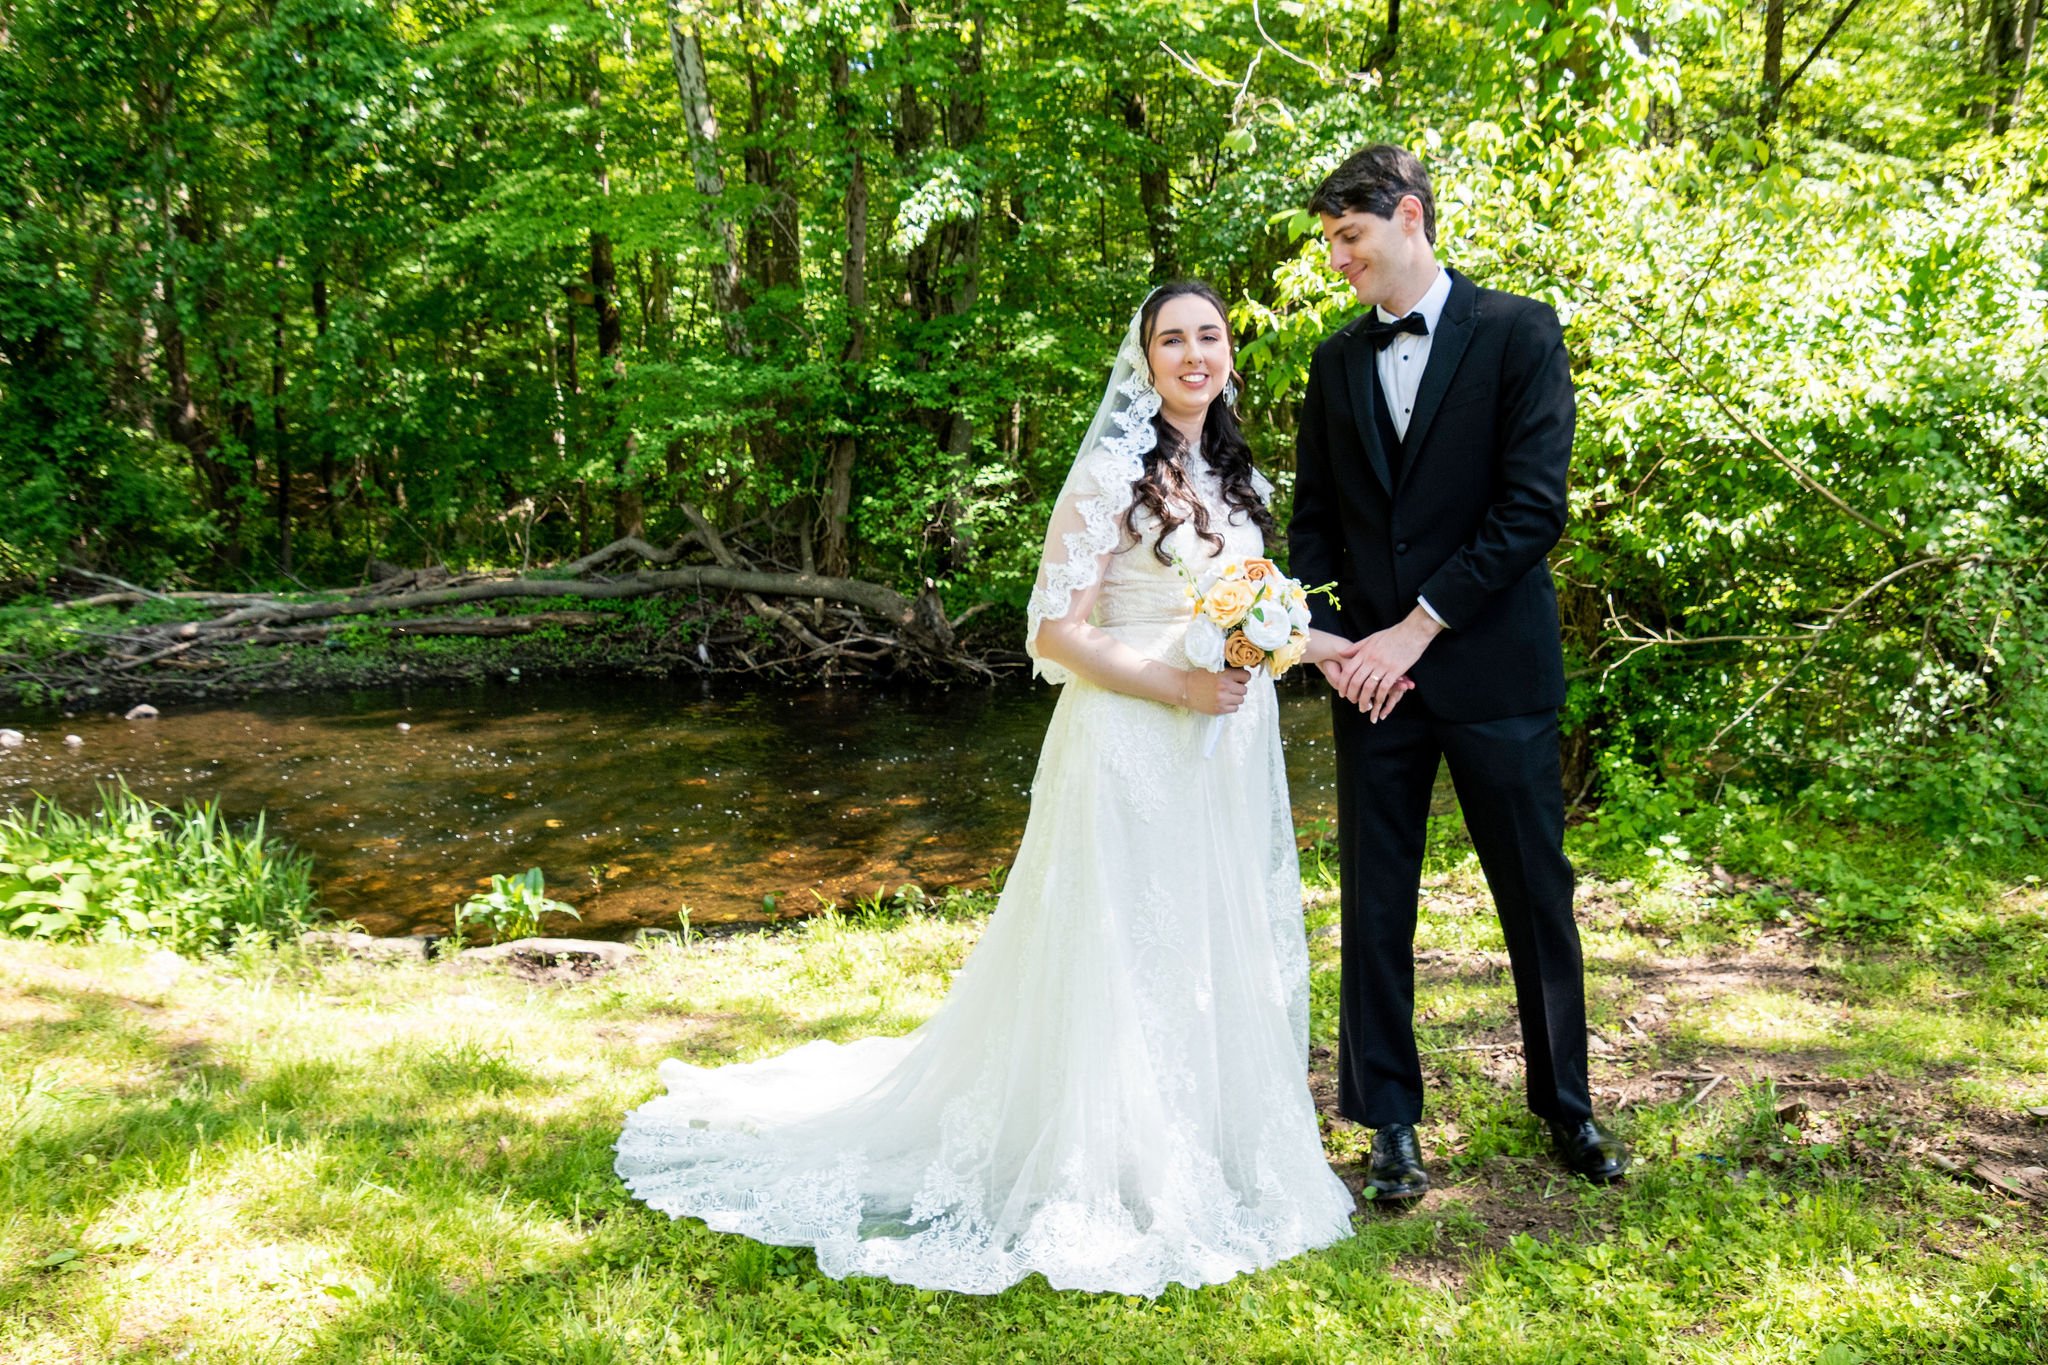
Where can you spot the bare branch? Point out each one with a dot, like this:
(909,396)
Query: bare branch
(1840,615)
(1320,71)
(1196,71)
(629,545)
(1825,38)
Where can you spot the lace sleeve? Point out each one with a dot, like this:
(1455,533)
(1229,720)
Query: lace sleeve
(1087,527)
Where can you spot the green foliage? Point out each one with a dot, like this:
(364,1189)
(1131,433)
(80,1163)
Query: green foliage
(134,870)
(1811,476)
(343,279)
(1762,860)
(512,907)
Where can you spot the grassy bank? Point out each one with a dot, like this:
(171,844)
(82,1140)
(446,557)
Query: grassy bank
(261,1157)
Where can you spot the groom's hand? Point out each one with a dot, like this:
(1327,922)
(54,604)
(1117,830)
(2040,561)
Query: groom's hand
(1345,671)
(1376,672)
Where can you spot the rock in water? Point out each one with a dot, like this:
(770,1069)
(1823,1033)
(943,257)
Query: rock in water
(404,726)
(142,712)
(73,742)
(12,739)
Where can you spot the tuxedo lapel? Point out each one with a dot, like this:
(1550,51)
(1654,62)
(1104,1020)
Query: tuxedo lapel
(1446,349)
(1359,359)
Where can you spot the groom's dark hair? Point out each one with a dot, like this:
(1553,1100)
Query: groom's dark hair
(1375,180)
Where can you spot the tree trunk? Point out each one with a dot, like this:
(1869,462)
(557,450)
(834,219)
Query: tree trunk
(280,454)
(184,423)
(836,551)
(628,512)
(686,54)
(1773,106)
(914,127)
(1155,188)
(2030,28)
(1774,61)
(960,238)
(1384,57)
(774,239)
(2009,29)
(330,475)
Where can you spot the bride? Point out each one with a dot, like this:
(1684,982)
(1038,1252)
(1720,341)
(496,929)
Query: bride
(1114,1093)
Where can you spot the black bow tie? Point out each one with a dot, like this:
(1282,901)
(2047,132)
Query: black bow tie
(1380,333)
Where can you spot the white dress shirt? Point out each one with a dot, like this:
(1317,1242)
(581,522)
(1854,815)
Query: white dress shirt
(1403,359)
(1402,362)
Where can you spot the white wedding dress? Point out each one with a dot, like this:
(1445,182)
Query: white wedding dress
(1114,1093)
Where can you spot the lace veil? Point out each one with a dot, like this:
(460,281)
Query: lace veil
(1087,519)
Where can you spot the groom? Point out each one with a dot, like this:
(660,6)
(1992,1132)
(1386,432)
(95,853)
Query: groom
(1430,484)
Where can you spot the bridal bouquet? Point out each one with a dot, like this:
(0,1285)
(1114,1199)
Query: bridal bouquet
(1246,614)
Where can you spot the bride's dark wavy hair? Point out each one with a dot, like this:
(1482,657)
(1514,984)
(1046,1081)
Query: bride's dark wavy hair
(1165,487)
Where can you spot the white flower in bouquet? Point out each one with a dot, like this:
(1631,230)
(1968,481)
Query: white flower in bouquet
(1267,625)
(1205,644)
(1297,606)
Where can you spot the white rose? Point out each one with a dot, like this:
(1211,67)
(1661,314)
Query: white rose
(1297,612)
(1268,626)
(1205,644)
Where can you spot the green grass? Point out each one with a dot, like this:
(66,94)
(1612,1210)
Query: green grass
(263,1157)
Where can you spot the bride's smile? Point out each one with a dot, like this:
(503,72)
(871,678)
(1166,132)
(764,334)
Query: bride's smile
(1189,351)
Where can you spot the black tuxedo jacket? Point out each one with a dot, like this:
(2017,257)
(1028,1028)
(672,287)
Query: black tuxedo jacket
(1479,504)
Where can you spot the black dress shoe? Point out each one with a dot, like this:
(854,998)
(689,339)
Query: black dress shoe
(1590,1150)
(1395,1172)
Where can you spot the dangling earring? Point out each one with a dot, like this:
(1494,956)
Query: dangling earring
(1230,390)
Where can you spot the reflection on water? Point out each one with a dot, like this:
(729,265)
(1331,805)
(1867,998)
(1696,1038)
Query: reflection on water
(635,799)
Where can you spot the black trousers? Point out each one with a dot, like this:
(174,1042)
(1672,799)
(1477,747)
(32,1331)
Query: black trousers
(1510,786)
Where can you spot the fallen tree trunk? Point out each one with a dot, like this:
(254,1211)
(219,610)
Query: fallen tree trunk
(844,626)
(921,624)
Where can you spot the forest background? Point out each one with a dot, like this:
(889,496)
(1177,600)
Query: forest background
(292,286)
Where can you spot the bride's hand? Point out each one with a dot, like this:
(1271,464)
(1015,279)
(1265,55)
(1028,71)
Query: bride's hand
(1324,647)
(1215,694)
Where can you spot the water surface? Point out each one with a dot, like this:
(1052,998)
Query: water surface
(636,799)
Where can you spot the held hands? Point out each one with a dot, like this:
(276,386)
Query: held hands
(1372,673)
(1346,677)
(1214,694)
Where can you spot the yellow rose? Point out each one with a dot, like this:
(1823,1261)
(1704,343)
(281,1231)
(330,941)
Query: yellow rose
(1240,652)
(1289,654)
(1256,569)
(1228,601)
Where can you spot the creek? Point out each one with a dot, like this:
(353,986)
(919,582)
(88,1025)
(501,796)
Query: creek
(635,798)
